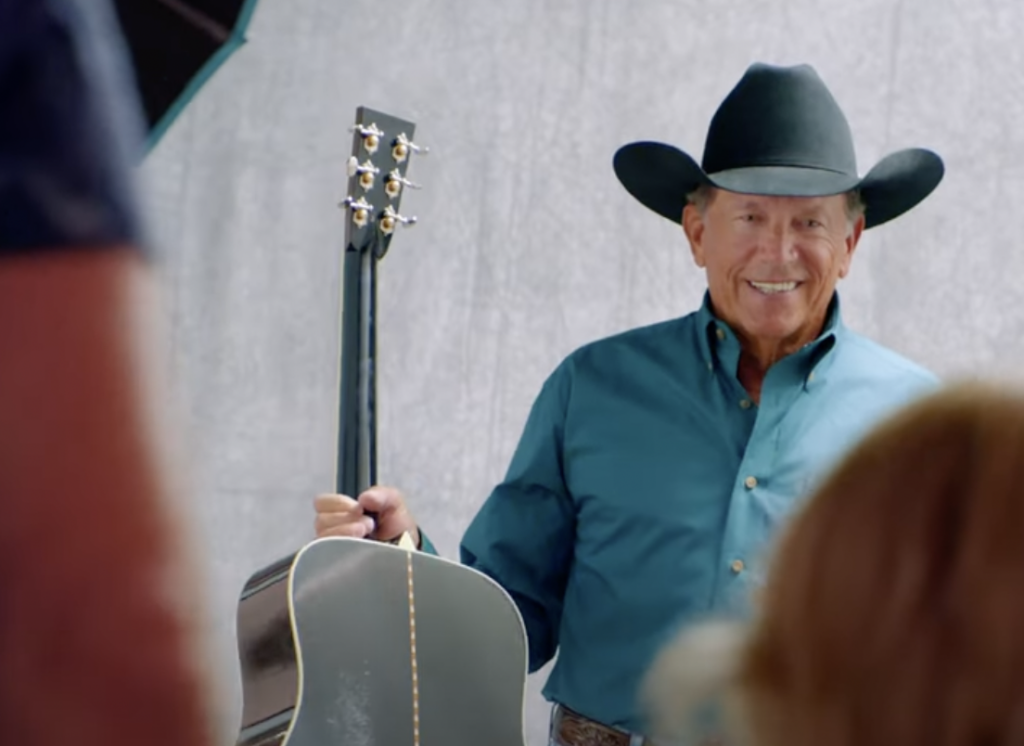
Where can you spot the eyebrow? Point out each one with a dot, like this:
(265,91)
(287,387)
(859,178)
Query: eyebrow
(816,208)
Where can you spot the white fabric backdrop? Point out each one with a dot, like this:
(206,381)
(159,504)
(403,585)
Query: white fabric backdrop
(527,246)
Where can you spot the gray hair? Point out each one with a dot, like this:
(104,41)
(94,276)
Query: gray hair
(701,196)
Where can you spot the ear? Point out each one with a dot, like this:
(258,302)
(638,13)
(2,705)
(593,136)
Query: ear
(693,226)
(852,239)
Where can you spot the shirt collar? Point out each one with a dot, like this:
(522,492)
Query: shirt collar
(719,345)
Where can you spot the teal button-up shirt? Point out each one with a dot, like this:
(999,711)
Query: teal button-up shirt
(646,488)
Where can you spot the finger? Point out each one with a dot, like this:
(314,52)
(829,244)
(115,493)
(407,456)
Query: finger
(330,503)
(358,529)
(329,520)
(345,530)
(381,499)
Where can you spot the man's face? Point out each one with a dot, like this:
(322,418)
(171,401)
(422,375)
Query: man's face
(772,263)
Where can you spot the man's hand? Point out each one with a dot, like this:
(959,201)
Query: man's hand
(340,515)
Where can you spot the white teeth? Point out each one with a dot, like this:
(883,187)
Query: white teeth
(774,287)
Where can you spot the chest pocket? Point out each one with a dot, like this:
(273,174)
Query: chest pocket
(810,445)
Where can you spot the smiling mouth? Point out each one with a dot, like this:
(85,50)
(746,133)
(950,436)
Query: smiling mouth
(771,288)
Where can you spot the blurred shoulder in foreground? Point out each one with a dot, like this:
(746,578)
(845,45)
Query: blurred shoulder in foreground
(893,611)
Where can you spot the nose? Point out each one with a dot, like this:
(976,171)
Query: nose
(778,242)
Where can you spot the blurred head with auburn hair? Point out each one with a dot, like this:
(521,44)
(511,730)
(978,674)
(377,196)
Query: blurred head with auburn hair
(893,614)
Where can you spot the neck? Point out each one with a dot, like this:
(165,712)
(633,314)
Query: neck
(751,371)
(757,356)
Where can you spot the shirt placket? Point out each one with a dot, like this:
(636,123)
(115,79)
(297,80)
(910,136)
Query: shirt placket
(738,570)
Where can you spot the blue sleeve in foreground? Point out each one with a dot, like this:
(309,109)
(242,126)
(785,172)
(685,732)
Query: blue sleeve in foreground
(70,129)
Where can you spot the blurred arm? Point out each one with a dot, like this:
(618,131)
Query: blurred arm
(100,628)
(101,631)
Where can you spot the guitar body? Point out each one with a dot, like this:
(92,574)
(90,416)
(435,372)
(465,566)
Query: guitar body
(346,676)
(355,642)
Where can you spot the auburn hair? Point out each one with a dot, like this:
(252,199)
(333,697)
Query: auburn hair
(893,611)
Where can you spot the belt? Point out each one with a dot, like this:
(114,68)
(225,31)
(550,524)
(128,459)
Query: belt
(569,728)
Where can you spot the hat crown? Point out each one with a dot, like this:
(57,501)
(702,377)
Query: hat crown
(779,116)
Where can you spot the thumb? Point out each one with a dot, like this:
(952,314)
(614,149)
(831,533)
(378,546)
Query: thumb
(381,500)
(389,512)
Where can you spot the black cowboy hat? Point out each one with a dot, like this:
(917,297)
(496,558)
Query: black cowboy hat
(778,132)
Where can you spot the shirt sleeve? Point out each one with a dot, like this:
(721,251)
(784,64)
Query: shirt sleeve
(426,545)
(72,126)
(523,535)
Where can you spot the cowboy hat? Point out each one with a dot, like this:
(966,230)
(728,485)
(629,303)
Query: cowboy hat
(778,132)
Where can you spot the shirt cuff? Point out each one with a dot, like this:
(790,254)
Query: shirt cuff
(425,544)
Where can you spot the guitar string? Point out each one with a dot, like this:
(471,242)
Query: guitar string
(412,648)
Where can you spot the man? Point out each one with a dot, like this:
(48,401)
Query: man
(99,638)
(656,465)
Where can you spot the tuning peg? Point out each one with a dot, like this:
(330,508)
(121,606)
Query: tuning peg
(391,218)
(360,210)
(400,150)
(366,171)
(395,182)
(371,136)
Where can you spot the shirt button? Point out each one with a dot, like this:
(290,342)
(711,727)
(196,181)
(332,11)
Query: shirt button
(751,482)
(744,403)
(810,377)
(720,332)
(737,566)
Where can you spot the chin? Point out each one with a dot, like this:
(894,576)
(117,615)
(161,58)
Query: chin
(773,330)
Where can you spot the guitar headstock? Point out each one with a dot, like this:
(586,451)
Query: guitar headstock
(382,148)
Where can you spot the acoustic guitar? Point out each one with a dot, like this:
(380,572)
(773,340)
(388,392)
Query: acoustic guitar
(356,642)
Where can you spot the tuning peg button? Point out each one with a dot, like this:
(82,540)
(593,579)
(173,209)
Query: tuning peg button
(391,219)
(366,172)
(360,210)
(394,183)
(403,146)
(371,136)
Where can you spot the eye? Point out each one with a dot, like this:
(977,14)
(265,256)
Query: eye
(812,223)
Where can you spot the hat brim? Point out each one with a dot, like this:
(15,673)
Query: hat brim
(660,176)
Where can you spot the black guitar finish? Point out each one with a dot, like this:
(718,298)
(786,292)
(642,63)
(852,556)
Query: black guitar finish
(270,668)
(358,688)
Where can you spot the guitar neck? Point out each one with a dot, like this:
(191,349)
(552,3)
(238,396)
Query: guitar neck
(356,467)
(381,150)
